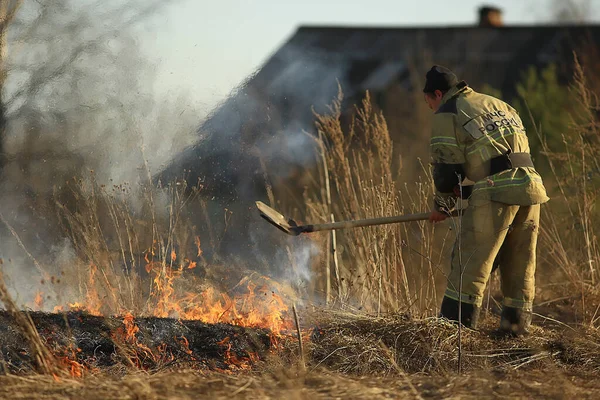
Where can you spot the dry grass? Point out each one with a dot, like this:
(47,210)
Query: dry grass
(380,268)
(354,344)
(402,267)
(44,360)
(569,248)
(322,384)
(140,261)
(357,356)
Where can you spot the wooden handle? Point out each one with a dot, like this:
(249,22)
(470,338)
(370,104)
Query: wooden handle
(365,222)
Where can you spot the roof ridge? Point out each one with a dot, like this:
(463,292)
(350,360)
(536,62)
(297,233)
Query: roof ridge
(441,27)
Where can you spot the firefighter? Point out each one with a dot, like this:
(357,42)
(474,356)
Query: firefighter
(482,139)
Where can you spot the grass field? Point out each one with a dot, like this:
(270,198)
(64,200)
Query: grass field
(367,314)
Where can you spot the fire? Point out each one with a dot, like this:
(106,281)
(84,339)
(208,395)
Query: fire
(260,308)
(162,290)
(197,242)
(67,359)
(140,351)
(75,369)
(93,303)
(247,304)
(39,300)
(234,361)
(253,302)
(185,344)
(130,328)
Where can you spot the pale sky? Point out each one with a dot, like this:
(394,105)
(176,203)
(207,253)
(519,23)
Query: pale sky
(207,48)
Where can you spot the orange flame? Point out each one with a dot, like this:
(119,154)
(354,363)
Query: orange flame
(265,310)
(68,361)
(197,242)
(141,351)
(185,344)
(234,361)
(130,328)
(249,306)
(39,300)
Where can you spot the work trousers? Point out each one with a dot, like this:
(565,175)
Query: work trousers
(495,233)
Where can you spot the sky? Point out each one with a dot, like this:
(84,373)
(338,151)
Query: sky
(204,49)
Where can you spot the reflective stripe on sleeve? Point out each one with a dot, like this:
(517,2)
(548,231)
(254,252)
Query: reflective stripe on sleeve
(505,182)
(443,140)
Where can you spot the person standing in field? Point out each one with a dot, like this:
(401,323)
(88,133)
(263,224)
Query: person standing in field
(482,138)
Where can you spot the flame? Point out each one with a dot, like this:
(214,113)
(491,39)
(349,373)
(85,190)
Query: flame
(247,304)
(74,306)
(140,351)
(163,291)
(130,328)
(75,369)
(264,309)
(257,308)
(186,345)
(235,362)
(93,303)
(197,242)
(39,300)
(67,360)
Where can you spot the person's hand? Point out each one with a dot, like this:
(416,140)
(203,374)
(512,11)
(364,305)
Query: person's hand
(437,216)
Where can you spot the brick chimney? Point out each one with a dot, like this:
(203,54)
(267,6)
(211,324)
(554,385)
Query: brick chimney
(490,17)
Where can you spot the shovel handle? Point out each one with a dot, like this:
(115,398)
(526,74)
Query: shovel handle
(366,222)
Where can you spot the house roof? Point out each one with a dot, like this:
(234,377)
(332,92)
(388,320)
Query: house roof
(276,102)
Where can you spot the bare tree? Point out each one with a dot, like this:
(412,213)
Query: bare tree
(8,10)
(571,11)
(77,95)
(78,89)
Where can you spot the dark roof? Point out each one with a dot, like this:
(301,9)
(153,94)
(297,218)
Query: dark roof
(266,114)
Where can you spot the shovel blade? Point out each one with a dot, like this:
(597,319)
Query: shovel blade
(276,219)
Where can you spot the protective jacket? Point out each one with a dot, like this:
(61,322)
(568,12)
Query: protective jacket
(482,138)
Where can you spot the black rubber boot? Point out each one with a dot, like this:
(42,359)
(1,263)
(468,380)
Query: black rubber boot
(469,312)
(515,321)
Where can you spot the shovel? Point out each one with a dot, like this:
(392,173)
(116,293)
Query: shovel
(290,226)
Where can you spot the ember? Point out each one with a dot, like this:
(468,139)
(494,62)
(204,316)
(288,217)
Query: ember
(83,343)
(69,361)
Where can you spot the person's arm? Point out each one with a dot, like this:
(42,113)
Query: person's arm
(448,158)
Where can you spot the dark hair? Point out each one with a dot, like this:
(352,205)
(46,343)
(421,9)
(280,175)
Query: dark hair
(439,78)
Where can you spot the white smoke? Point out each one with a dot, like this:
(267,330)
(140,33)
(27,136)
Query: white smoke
(79,98)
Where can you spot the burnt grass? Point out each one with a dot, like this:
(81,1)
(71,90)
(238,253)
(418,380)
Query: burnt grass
(346,355)
(100,342)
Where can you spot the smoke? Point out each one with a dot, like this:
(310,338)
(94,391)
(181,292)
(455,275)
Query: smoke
(262,136)
(267,116)
(79,103)
(79,98)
